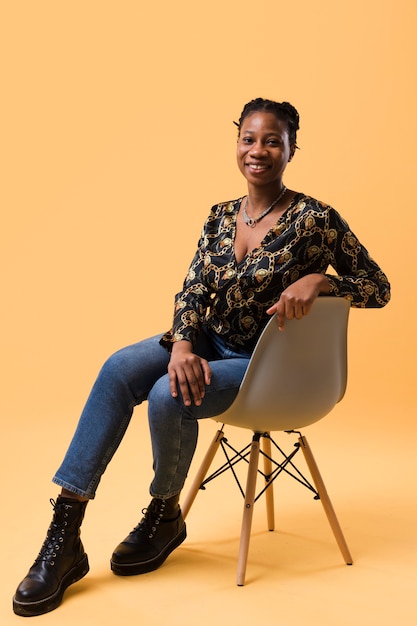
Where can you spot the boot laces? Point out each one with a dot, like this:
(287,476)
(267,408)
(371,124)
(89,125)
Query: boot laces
(151,519)
(55,535)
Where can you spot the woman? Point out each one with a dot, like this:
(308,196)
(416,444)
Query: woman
(264,254)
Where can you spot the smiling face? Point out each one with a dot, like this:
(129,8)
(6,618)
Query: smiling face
(264,149)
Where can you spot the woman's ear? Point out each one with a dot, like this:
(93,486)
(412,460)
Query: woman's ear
(293,148)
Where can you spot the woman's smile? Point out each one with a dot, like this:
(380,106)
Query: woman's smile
(258,167)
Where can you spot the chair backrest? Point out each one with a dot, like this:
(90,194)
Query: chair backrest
(295,376)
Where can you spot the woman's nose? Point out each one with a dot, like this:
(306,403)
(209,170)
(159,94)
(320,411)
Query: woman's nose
(258,149)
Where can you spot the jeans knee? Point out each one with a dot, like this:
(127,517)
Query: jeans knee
(160,400)
(163,406)
(113,367)
(120,375)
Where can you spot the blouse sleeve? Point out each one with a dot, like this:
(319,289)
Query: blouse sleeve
(191,303)
(359,278)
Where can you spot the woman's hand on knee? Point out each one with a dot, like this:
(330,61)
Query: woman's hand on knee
(188,372)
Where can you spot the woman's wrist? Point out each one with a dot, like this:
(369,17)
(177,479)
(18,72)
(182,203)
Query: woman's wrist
(182,345)
(323,284)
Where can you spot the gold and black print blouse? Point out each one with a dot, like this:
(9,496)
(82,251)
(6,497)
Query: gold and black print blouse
(231,298)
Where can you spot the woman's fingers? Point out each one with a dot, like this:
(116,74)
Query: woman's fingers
(190,374)
(297,300)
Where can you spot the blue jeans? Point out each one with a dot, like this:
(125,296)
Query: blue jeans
(130,376)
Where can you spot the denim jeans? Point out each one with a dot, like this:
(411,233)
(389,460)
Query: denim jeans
(129,377)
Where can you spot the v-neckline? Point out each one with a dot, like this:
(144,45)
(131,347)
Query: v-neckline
(237,263)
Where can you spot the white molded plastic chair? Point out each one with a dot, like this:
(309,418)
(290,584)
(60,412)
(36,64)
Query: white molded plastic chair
(294,378)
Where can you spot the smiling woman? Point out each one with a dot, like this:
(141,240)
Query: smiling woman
(266,144)
(266,253)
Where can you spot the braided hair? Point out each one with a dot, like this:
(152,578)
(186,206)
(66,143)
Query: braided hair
(284,111)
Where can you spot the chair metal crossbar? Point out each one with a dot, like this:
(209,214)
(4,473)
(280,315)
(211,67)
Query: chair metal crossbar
(278,466)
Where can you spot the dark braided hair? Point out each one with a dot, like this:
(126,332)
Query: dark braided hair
(284,111)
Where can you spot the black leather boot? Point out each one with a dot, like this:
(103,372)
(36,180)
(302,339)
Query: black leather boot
(160,531)
(60,563)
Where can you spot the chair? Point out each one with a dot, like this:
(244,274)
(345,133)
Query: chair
(293,379)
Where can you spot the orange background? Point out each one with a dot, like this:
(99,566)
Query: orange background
(117,137)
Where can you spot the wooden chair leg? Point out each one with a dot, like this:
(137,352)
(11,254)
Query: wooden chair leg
(202,472)
(269,493)
(248,510)
(325,500)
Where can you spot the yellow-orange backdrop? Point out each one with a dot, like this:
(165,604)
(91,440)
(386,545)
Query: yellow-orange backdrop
(116,138)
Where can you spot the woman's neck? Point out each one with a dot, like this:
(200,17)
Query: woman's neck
(260,199)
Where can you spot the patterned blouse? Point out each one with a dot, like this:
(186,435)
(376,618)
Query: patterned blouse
(231,298)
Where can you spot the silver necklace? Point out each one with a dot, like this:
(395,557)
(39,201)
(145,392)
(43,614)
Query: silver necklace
(252,221)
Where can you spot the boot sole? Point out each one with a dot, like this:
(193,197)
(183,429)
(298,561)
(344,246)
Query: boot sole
(133,569)
(30,609)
